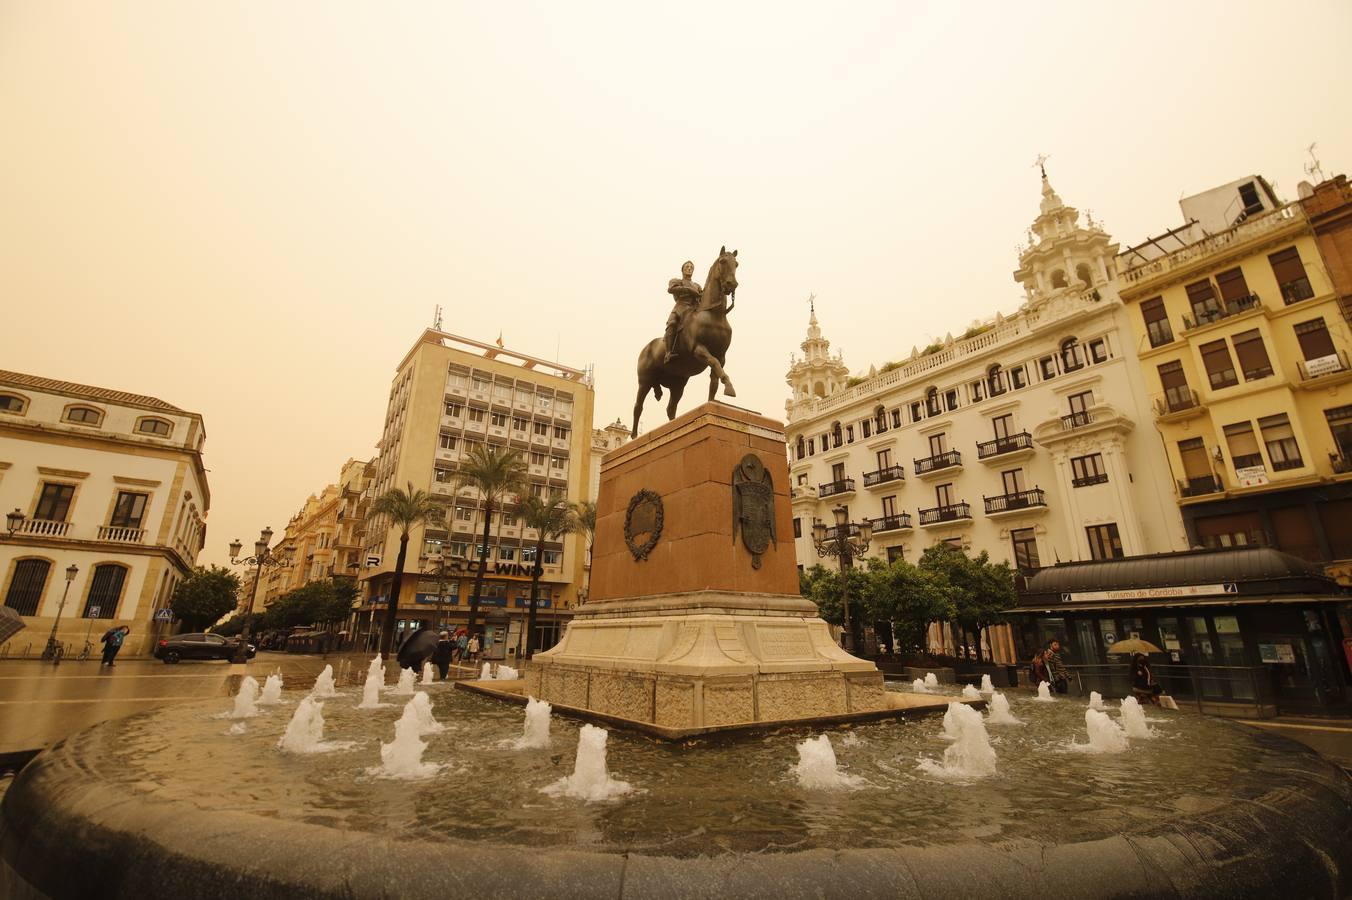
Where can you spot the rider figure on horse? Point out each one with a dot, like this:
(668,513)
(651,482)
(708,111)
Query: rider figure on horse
(687,294)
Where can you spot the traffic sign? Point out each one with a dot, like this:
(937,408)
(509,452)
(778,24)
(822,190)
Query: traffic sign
(164,615)
(92,612)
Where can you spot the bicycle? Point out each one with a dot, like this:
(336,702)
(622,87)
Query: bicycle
(86,651)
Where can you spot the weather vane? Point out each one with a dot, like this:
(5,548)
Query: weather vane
(1041,163)
(436,320)
(812,303)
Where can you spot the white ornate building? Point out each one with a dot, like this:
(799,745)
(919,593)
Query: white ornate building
(109,482)
(1029,437)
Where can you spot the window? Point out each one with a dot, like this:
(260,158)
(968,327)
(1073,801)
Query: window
(884,459)
(524,395)
(54,503)
(518,423)
(917,411)
(502,391)
(453,409)
(1104,541)
(977,390)
(835,435)
(802,478)
(25,588)
(1314,339)
(1235,530)
(801,447)
(537,458)
(11,404)
(1234,289)
(1025,549)
(938,444)
(1098,351)
(890,506)
(544,403)
(552,557)
(83,415)
(1248,195)
(849,434)
(498,420)
(479,383)
(476,415)
(507,554)
(528,554)
(560,433)
(811,446)
(1340,426)
(447,441)
(1018,377)
(1002,426)
(1290,274)
(932,402)
(1220,370)
(464,514)
(129,509)
(896,418)
(1058,279)
(1012,479)
(1243,446)
(443,476)
(1252,355)
(864,425)
(1087,470)
(541,429)
(558,462)
(951,399)
(1282,448)
(1079,407)
(1205,307)
(995,384)
(837,472)
(1071,359)
(1197,474)
(105,590)
(943,494)
(895,553)
(880,420)
(1047,365)
(1177,394)
(1157,326)
(456,379)
(459,549)
(157,427)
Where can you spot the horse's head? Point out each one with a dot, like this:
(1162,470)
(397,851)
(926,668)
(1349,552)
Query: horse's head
(725,269)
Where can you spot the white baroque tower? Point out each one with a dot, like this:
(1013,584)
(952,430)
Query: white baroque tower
(818,374)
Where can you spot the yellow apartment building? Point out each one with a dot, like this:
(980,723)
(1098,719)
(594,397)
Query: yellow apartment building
(1244,348)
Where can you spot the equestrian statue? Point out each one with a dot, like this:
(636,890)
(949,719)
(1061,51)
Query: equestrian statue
(697,336)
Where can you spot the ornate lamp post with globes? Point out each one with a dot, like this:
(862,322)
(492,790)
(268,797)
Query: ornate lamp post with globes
(53,650)
(263,556)
(844,541)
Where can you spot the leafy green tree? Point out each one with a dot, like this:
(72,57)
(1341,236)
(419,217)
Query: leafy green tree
(981,591)
(584,511)
(909,598)
(235,624)
(823,587)
(404,509)
(552,518)
(205,596)
(497,473)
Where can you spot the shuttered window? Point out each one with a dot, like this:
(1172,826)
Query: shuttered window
(25,588)
(1336,516)
(1237,530)
(1314,339)
(1156,321)
(1252,355)
(104,591)
(1282,448)
(1340,426)
(1220,369)
(1290,274)
(1177,394)
(1243,445)
(1202,296)
(1196,463)
(1294,532)
(1232,284)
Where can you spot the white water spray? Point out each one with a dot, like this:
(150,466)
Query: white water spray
(246,701)
(486,673)
(427,673)
(1044,692)
(971,754)
(1105,735)
(1095,700)
(817,769)
(422,709)
(999,711)
(931,680)
(506,673)
(375,680)
(1133,720)
(324,686)
(405,685)
(919,686)
(402,757)
(305,732)
(536,733)
(987,686)
(590,781)
(970,693)
(272,691)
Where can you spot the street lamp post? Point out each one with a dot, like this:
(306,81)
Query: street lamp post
(845,541)
(263,556)
(52,651)
(14,520)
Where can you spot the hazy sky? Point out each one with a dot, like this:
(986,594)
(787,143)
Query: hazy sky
(251,209)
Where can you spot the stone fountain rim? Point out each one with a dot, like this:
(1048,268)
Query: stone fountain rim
(66,834)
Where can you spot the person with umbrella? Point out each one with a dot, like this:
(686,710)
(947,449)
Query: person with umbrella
(1143,684)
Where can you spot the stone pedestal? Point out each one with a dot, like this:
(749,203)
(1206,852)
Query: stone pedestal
(688,628)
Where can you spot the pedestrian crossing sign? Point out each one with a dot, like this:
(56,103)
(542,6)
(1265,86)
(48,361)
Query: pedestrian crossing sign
(164,615)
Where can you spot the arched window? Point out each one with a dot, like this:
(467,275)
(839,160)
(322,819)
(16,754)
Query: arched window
(802,447)
(105,590)
(819,390)
(995,385)
(879,419)
(13,403)
(932,402)
(1059,278)
(157,427)
(25,588)
(835,434)
(1082,272)
(83,415)
(1071,357)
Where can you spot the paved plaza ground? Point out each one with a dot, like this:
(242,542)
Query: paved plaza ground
(41,704)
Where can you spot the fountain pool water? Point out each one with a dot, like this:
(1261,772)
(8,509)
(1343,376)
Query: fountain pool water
(1044,692)
(1095,700)
(1105,735)
(324,685)
(919,686)
(246,701)
(590,780)
(428,673)
(817,768)
(971,754)
(272,691)
(970,692)
(931,680)
(402,757)
(536,733)
(375,680)
(405,683)
(999,711)
(1133,720)
(987,686)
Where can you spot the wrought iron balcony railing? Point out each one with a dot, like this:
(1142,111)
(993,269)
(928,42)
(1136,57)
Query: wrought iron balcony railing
(1007,444)
(831,488)
(950,513)
(1017,500)
(938,461)
(884,475)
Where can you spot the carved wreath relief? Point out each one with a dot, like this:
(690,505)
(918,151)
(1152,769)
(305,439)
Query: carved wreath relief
(643,523)
(753,507)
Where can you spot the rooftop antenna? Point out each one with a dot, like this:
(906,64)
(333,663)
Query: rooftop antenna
(1312,168)
(1041,162)
(436,319)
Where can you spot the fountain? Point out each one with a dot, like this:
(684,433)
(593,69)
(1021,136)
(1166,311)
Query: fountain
(1095,700)
(919,686)
(422,709)
(971,754)
(590,781)
(1044,692)
(428,673)
(969,692)
(931,680)
(486,673)
(1133,720)
(402,757)
(405,684)
(375,680)
(1105,735)
(999,711)
(324,686)
(305,732)
(506,673)
(817,769)
(987,686)
(246,700)
(272,691)
(536,733)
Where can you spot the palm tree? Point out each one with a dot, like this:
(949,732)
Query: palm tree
(551,518)
(497,473)
(404,509)
(585,513)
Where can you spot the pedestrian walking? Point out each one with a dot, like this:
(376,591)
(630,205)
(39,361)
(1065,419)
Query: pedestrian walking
(441,655)
(112,642)
(1143,684)
(461,646)
(1056,668)
(1038,668)
(474,650)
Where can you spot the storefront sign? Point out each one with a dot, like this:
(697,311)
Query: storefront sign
(1151,593)
(1276,653)
(1323,365)
(1249,476)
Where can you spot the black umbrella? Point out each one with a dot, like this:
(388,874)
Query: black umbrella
(417,649)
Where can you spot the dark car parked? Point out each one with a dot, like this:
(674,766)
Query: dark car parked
(196,645)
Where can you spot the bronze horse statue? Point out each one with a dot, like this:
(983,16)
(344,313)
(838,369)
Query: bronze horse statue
(701,343)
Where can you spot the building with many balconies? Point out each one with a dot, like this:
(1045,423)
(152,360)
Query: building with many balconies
(1022,437)
(109,482)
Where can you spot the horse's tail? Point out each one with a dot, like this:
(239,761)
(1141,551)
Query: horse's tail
(657,391)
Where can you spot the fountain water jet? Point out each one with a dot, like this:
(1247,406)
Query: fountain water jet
(375,680)
(987,686)
(931,680)
(970,693)
(1044,692)
(919,686)
(324,686)
(272,691)
(590,781)
(402,757)
(1000,714)
(486,673)
(1105,735)
(305,732)
(427,673)
(1095,700)
(405,685)
(506,673)
(246,700)
(971,754)
(422,708)
(1133,720)
(535,736)
(817,769)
